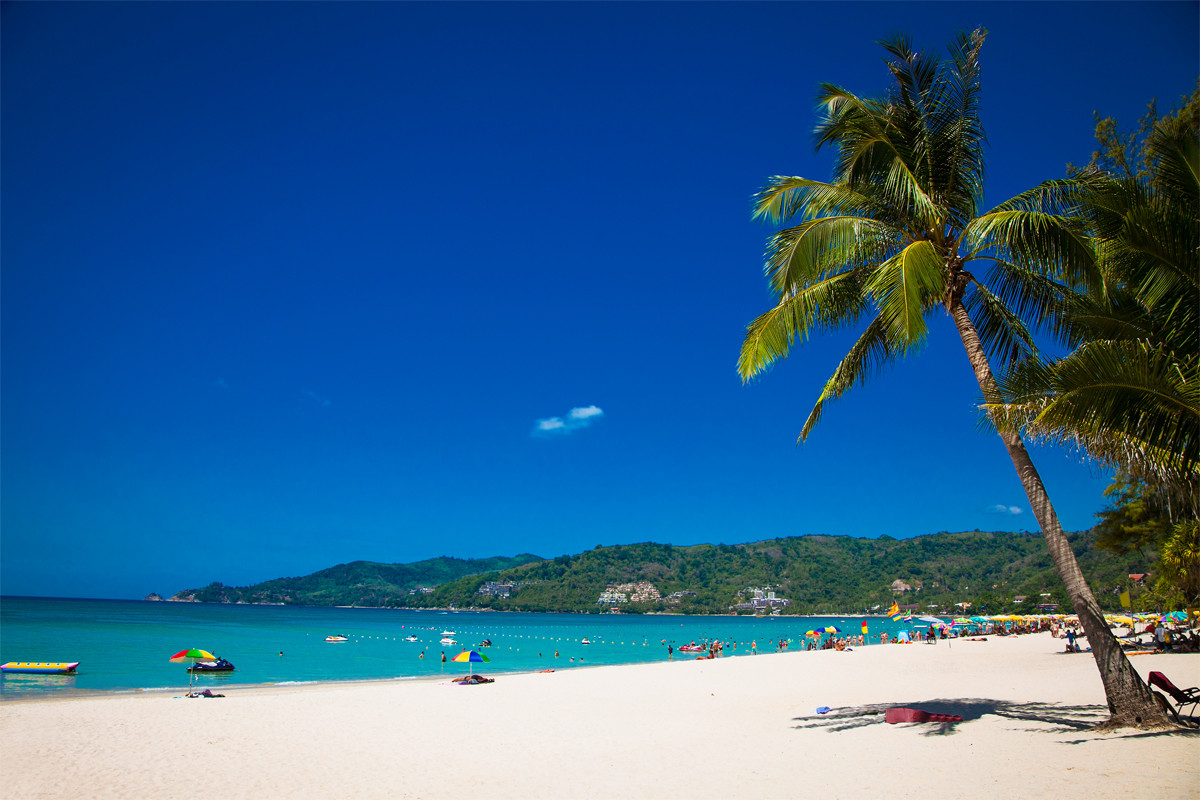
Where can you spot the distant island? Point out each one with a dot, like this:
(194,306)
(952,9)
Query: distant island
(971,572)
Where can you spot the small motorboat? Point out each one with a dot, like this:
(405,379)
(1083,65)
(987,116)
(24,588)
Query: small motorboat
(485,643)
(447,633)
(448,640)
(40,667)
(220,665)
(410,638)
(584,641)
(336,639)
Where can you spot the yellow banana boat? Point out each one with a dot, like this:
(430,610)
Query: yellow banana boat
(41,667)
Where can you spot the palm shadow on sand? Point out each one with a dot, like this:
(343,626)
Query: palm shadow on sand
(1054,717)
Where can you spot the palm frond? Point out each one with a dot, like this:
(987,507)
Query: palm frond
(873,350)
(820,247)
(1029,295)
(906,286)
(1049,243)
(824,305)
(785,196)
(1003,334)
(1130,403)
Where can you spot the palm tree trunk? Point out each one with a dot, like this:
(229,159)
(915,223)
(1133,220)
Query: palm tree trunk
(1130,700)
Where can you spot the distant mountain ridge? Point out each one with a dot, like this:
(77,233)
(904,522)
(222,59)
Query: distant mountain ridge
(816,574)
(358,583)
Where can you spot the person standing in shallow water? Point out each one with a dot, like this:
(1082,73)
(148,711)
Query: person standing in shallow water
(443,656)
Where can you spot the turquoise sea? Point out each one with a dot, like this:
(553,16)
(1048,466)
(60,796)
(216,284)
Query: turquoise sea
(124,645)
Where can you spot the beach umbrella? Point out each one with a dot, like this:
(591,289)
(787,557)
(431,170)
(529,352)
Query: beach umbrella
(471,656)
(832,629)
(193,655)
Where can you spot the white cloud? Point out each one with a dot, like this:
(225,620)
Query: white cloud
(1000,508)
(585,413)
(576,418)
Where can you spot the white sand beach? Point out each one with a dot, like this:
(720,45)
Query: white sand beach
(734,727)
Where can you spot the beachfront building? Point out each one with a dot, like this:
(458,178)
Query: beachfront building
(761,599)
(496,589)
(610,597)
(640,592)
(502,588)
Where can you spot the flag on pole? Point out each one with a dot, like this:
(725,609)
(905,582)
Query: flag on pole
(864,627)
(1125,599)
(894,610)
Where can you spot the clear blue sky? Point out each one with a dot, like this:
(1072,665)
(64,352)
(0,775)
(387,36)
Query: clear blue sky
(290,285)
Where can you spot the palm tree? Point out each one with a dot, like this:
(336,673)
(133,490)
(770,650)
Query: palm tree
(888,241)
(1129,392)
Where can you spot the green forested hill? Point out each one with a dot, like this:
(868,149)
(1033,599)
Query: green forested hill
(359,583)
(817,574)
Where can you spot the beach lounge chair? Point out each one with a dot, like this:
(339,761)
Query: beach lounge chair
(1189,698)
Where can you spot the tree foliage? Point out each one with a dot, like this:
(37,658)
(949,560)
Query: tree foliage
(818,574)
(1129,391)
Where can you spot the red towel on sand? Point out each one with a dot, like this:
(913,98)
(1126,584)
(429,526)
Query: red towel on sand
(894,715)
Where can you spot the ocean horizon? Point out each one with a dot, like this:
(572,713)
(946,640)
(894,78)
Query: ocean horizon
(124,645)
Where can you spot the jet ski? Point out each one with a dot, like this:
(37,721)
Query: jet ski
(220,665)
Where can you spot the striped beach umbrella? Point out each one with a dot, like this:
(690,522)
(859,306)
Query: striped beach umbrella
(471,656)
(193,655)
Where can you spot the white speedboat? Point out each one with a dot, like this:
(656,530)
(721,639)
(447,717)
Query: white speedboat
(448,640)
(410,638)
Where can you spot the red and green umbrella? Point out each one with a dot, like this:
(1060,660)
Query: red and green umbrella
(193,655)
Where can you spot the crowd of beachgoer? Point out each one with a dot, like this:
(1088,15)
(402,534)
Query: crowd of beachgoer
(1162,638)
